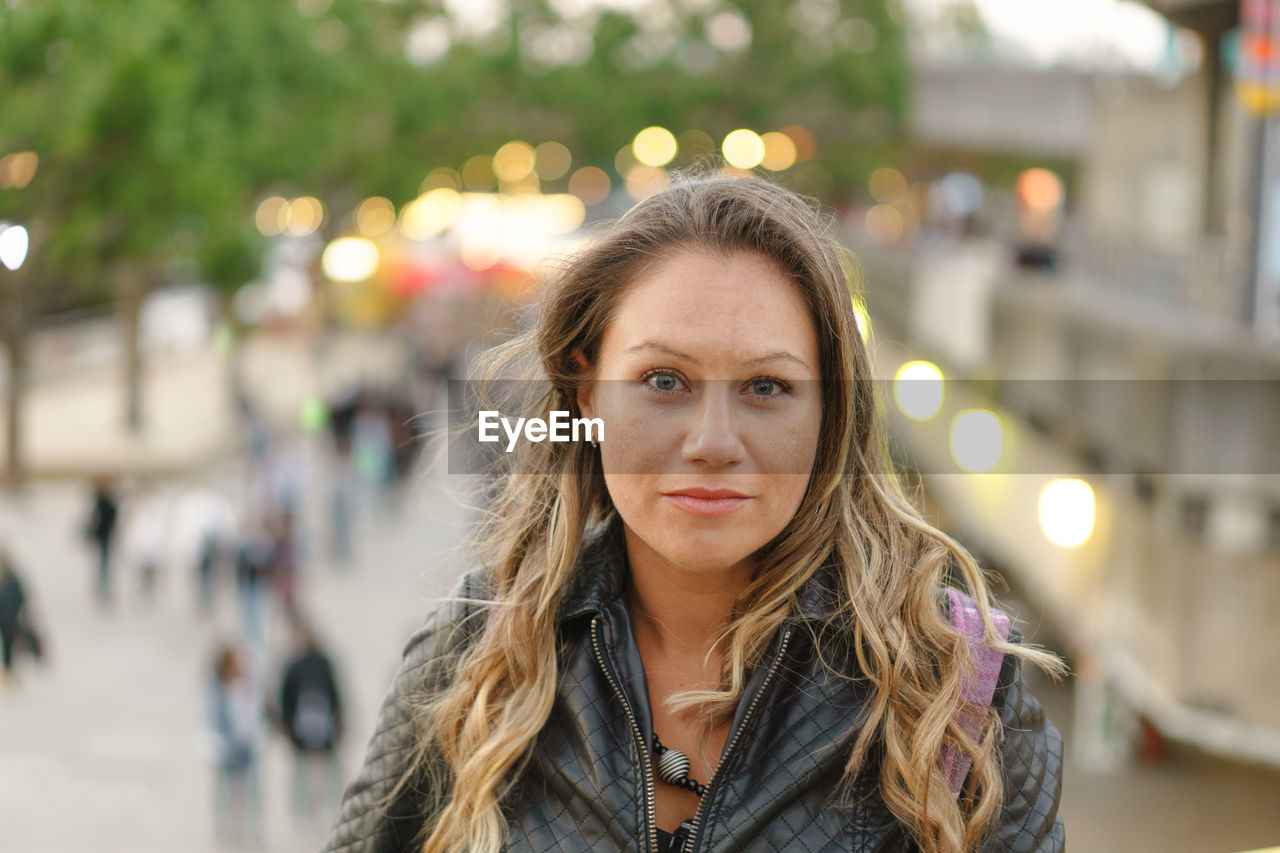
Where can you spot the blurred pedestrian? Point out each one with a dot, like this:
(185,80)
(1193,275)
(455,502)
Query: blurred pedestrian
(311,714)
(16,624)
(342,413)
(101,532)
(205,530)
(282,528)
(372,451)
(254,566)
(145,540)
(236,721)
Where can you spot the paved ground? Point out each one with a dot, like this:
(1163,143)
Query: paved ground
(100,747)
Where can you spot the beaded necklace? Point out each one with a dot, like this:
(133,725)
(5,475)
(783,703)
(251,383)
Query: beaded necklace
(673,768)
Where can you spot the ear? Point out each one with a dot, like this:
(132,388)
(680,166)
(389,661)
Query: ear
(586,387)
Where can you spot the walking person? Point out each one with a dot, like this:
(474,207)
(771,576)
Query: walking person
(101,532)
(311,713)
(255,564)
(16,624)
(236,721)
(719,623)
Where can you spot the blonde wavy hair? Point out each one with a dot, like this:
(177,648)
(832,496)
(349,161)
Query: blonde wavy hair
(476,730)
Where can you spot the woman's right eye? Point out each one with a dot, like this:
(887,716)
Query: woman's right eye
(666,383)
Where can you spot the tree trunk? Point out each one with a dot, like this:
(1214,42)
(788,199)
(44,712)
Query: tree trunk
(132,284)
(15,345)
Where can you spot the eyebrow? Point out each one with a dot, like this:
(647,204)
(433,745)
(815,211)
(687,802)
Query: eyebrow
(776,355)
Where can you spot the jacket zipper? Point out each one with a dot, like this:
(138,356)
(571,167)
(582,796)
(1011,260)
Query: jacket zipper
(691,843)
(650,797)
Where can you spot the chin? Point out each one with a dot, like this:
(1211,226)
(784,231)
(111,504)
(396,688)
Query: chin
(699,546)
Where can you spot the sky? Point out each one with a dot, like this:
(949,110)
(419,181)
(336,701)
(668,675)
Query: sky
(1054,29)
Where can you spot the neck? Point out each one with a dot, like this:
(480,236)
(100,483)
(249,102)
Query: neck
(677,611)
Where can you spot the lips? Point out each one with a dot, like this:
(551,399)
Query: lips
(700,501)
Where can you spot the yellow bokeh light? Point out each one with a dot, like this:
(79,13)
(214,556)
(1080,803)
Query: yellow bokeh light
(644,181)
(349,259)
(1067,509)
(654,146)
(477,174)
(441,176)
(17,169)
(625,160)
(743,148)
(552,160)
(884,224)
(428,215)
(306,215)
(917,389)
(779,151)
(590,184)
(514,161)
(272,216)
(977,440)
(887,185)
(806,145)
(375,216)
(1040,190)
(564,212)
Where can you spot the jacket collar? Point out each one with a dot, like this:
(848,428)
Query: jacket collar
(600,578)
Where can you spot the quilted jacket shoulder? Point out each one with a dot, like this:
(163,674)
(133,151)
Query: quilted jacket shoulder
(371,819)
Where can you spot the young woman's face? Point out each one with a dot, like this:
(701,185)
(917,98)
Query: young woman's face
(706,381)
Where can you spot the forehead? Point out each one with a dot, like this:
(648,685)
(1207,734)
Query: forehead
(736,303)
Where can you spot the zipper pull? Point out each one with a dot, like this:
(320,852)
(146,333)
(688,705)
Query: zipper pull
(681,837)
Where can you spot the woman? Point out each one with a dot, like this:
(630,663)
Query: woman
(723,622)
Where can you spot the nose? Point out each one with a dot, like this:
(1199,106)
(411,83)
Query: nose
(713,436)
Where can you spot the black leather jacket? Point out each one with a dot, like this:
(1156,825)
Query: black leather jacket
(587,785)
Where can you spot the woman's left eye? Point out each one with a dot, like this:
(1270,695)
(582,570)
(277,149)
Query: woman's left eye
(766,387)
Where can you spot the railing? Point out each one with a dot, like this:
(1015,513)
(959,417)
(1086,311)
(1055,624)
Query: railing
(1204,276)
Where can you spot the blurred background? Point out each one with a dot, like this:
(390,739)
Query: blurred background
(245,245)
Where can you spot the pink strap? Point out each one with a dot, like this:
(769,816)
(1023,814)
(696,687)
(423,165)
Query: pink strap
(979,689)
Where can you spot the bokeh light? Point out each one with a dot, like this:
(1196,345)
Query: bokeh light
(17,169)
(887,185)
(624,161)
(729,31)
(14,242)
(375,216)
(564,212)
(806,145)
(272,216)
(779,151)
(478,175)
(918,390)
(429,214)
(349,259)
(514,161)
(1067,509)
(884,224)
(643,181)
(1040,190)
(590,184)
(654,146)
(442,176)
(743,148)
(306,215)
(977,440)
(552,160)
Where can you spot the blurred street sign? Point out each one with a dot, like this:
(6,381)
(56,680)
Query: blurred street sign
(1258,56)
